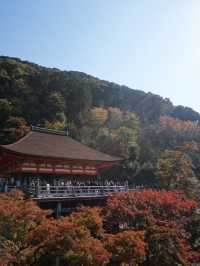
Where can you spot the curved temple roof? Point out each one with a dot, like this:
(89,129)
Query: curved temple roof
(51,144)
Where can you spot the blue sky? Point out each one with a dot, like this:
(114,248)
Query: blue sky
(153,45)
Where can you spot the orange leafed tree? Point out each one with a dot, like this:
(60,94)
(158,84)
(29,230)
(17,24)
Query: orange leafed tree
(18,217)
(147,227)
(162,215)
(30,236)
(90,218)
(141,208)
(127,247)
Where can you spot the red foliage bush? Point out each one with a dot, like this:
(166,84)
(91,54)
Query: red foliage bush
(147,227)
(139,209)
(127,247)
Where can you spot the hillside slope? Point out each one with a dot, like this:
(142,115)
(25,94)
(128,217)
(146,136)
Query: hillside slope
(115,119)
(34,91)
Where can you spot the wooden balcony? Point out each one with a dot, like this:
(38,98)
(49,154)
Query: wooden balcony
(71,192)
(52,192)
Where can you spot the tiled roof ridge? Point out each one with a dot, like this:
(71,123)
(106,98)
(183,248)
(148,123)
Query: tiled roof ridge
(56,144)
(18,141)
(49,131)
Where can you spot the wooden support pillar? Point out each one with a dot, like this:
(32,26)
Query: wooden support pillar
(57,261)
(58,210)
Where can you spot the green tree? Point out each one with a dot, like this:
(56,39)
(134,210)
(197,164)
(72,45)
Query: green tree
(5,110)
(174,170)
(16,128)
(97,117)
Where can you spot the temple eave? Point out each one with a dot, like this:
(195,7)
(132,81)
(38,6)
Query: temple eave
(53,167)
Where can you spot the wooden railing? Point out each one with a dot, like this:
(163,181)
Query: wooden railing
(45,192)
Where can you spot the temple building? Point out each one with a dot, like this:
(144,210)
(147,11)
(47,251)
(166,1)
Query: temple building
(51,166)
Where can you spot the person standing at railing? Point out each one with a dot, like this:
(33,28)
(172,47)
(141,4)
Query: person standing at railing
(48,188)
(126,185)
(12,181)
(6,186)
(18,183)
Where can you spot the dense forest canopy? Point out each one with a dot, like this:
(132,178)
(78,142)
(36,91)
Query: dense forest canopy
(141,228)
(145,129)
(37,94)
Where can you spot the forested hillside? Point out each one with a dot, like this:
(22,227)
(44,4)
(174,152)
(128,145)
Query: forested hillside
(159,142)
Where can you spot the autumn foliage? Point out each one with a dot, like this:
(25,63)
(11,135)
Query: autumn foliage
(127,247)
(147,227)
